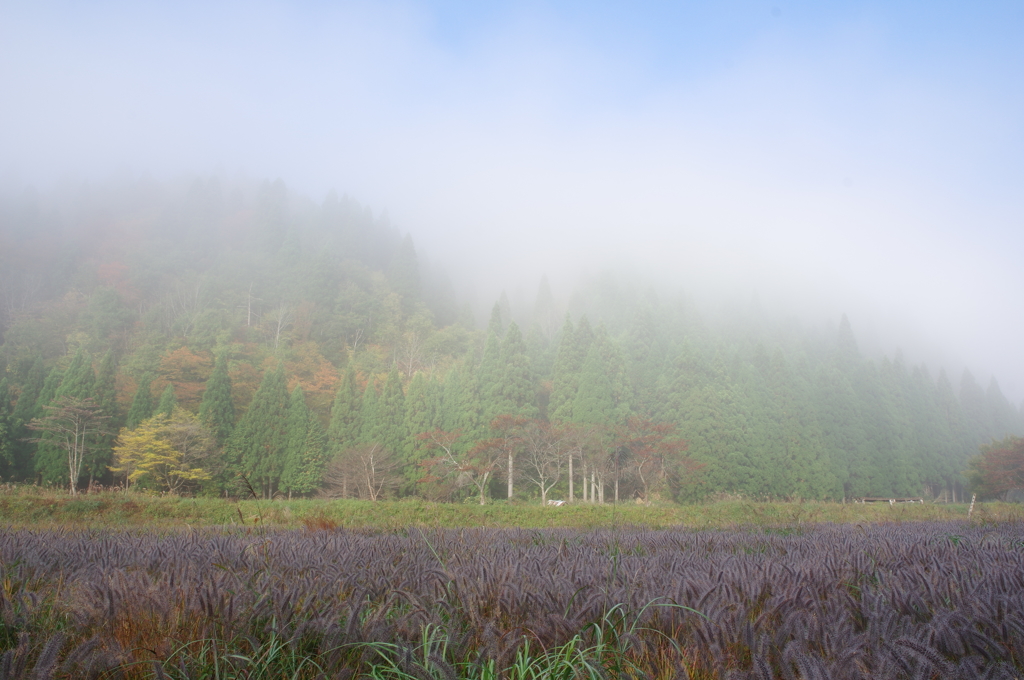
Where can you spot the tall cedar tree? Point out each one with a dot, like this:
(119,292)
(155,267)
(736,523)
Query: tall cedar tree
(460,404)
(76,384)
(496,324)
(488,378)
(24,411)
(516,393)
(388,429)
(6,432)
(343,431)
(419,418)
(167,402)
(369,410)
(105,396)
(299,420)
(404,275)
(217,410)
(257,444)
(44,452)
(572,352)
(142,403)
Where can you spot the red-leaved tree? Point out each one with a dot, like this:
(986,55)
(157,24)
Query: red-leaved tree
(999,467)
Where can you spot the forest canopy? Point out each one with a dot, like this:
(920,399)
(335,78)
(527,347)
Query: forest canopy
(228,333)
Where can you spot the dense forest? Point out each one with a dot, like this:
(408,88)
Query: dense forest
(227,338)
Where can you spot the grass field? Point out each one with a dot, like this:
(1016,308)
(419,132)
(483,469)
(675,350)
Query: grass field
(23,507)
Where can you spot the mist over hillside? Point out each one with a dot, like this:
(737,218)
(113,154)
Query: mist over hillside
(209,302)
(789,231)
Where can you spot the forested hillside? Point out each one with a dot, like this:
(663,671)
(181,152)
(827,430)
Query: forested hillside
(211,337)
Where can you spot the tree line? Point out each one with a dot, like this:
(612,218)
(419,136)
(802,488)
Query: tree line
(244,335)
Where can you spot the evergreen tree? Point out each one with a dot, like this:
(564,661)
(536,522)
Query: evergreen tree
(405,276)
(79,379)
(26,409)
(388,429)
(343,431)
(538,349)
(257,444)
(314,460)
(105,396)
(965,446)
(572,352)
(514,393)
(1004,416)
(296,434)
(142,403)
(978,417)
(105,389)
(47,459)
(369,412)
(419,418)
(489,376)
(167,402)
(544,317)
(643,360)
(7,462)
(594,403)
(76,383)
(217,409)
(496,324)
(460,405)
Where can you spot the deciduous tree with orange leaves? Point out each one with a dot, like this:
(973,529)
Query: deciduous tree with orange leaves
(999,467)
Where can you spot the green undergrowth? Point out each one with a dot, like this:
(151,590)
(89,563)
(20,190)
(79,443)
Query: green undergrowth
(34,507)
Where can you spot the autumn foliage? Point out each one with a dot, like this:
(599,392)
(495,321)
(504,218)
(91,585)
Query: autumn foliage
(999,468)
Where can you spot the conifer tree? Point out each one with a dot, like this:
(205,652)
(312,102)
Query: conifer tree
(257,444)
(538,349)
(405,276)
(49,389)
(1005,419)
(76,383)
(496,324)
(167,402)
(79,378)
(24,411)
(388,429)
(314,460)
(6,432)
(594,403)
(419,418)
(105,396)
(369,411)
(217,409)
(47,459)
(515,393)
(460,405)
(952,412)
(142,403)
(977,416)
(105,389)
(489,375)
(572,352)
(296,434)
(343,430)
(544,317)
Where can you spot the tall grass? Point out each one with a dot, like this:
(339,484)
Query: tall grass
(885,600)
(34,507)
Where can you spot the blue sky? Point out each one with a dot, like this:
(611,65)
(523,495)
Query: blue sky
(858,157)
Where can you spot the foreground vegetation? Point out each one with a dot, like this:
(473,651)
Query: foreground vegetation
(25,507)
(890,600)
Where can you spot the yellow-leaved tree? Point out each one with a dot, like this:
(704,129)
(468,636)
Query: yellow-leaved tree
(168,453)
